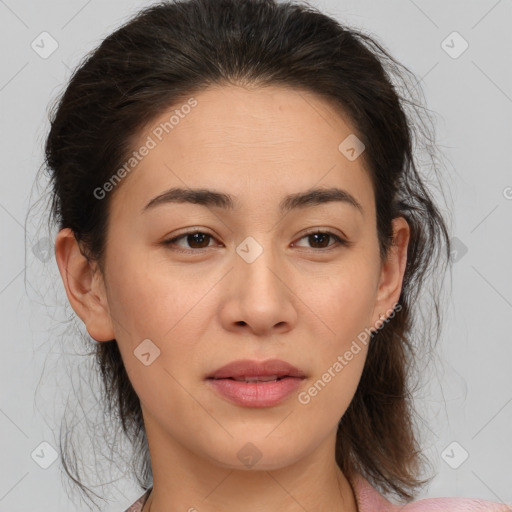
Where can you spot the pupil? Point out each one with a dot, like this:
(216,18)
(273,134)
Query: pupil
(195,237)
(321,235)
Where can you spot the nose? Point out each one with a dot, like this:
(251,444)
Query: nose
(260,297)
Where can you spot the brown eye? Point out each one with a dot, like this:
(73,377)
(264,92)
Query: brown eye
(198,240)
(320,240)
(195,240)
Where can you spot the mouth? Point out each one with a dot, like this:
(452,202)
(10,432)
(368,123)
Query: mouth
(250,383)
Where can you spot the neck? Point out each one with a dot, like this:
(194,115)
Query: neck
(342,501)
(182,481)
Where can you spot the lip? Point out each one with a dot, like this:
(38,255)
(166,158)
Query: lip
(256,393)
(254,368)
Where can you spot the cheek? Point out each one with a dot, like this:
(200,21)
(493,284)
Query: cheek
(340,354)
(345,304)
(345,301)
(144,307)
(149,301)
(163,307)
(326,399)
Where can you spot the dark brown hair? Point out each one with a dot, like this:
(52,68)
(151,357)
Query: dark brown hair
(172,50)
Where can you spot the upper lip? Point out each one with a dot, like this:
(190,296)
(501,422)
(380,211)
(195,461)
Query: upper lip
(253,368)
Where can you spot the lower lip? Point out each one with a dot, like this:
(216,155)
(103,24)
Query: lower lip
(256,394)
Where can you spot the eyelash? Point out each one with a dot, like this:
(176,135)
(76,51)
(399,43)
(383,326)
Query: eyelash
(172,241)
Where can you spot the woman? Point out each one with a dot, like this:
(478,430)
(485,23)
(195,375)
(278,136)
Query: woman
(244,232)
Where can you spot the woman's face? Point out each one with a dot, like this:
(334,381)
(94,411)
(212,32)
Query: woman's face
(254,283)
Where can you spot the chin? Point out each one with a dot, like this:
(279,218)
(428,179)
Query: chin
(253,453)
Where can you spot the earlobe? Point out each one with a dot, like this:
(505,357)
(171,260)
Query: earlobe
(393,269)
(84,286)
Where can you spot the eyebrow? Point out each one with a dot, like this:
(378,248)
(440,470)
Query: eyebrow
(209,198)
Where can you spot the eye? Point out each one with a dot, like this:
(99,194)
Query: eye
(321,238)
(195,238)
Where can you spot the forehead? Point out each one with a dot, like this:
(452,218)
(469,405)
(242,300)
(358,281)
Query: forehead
(270,118)
(272,140)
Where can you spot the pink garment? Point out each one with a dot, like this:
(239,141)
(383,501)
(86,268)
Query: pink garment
(370,500)
(137,506)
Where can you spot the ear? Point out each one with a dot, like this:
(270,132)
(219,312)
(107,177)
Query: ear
(392,272)
(84,286)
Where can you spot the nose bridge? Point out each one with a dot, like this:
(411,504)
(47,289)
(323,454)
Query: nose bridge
(258,262)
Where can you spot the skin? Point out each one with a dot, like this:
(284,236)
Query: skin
(298,301)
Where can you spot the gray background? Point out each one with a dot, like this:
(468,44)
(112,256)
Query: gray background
(469,397)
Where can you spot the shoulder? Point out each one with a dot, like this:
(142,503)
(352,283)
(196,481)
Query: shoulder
(137,506)
(370,500)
